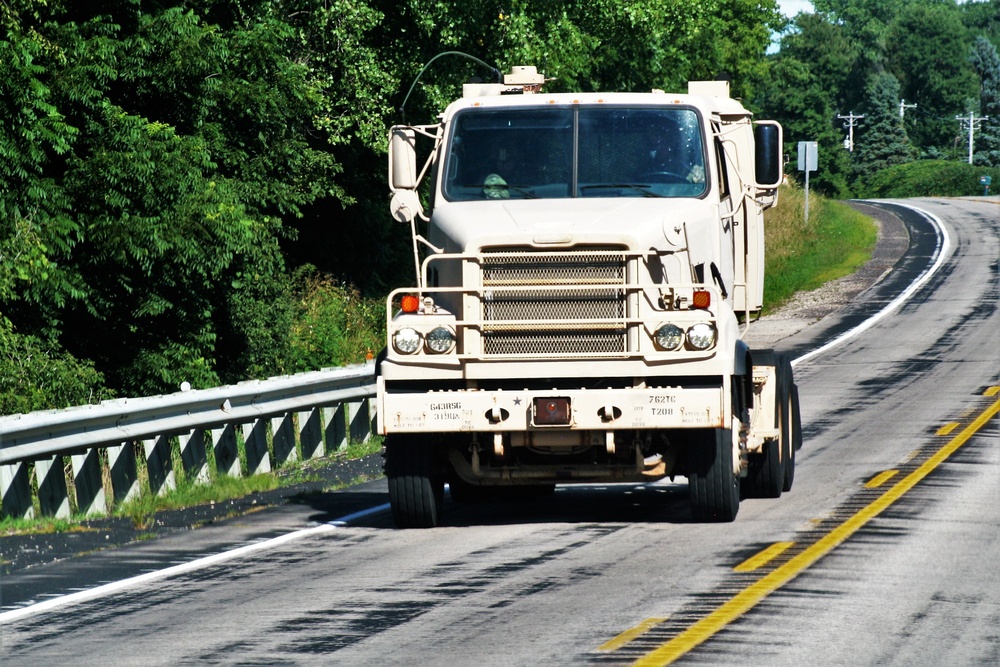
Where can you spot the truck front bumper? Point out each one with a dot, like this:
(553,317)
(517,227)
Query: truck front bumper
(588,410)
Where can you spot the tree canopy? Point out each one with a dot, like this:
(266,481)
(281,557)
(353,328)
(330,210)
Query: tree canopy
(832,61)
(178,178)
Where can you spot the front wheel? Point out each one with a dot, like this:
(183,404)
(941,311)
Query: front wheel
(713,485)
(415,492)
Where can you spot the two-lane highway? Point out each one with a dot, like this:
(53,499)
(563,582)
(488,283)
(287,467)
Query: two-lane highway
(884,552)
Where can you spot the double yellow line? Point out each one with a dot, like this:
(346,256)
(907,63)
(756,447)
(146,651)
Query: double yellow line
(749,597)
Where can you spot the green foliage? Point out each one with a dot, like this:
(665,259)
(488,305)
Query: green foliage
(830,62)
(931,178)
(883,142)
(38,376)
(335,326)
(986,62)
(929,56)
(814,60)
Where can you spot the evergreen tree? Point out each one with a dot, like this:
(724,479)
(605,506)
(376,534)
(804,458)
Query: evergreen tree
(986,62)
(883,141)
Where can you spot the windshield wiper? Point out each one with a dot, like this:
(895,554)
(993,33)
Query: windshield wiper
(640,187)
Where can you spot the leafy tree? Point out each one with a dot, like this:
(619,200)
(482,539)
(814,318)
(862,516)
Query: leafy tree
(883,142)
(867,22)
(815,60)
(983,19)
(928,53)
(986,62)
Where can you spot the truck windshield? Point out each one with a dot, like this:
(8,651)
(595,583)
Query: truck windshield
(562,152)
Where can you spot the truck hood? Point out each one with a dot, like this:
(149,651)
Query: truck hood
(638,223)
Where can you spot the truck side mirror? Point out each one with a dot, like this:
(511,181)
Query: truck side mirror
(767,154)
(402,159)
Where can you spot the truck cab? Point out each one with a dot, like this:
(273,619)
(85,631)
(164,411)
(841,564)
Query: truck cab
(586,268)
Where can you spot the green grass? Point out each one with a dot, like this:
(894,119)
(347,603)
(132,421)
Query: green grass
(801,256)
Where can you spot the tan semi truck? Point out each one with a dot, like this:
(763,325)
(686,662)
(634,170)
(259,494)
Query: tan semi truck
(587,267)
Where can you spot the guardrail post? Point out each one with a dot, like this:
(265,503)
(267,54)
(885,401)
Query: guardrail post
(227,456)
(255,442)
(52,497)
(158,465)
(361,422)
(15,491)
(89,484)
(194,456)
(283,440)
(336,431)
(124,478)
(311,434)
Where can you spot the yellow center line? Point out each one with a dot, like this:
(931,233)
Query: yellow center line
(616,643)
(749,597)
(880,479)
(763,558)
(947,428)
(992,391)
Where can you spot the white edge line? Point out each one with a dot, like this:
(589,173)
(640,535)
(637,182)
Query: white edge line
(940,252)
(115,586)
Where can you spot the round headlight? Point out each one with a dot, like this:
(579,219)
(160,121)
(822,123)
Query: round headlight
(440,340)
(669,337)
(701,336)
(406,341)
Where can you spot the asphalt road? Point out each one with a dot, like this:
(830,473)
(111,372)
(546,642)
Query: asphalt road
(885,551)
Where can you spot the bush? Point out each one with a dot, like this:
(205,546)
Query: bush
(37,376)
(931,178)
(334,325)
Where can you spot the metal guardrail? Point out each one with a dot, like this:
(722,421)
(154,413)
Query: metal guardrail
(247,428)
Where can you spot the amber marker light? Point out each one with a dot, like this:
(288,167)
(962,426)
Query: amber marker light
(702,299)
(409,303)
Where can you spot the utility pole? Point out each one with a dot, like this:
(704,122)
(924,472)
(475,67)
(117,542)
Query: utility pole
(973,126)
(903,106)
(851,118)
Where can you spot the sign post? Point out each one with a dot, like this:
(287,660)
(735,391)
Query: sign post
(808,161)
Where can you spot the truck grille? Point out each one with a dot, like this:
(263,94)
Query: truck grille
(555,304)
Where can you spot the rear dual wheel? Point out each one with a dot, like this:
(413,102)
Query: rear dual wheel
(772,471)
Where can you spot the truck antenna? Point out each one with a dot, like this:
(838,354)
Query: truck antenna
(493,70)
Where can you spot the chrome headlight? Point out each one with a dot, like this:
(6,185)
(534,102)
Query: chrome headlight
(440,340)
(669,337)
(406,340)
(701,336)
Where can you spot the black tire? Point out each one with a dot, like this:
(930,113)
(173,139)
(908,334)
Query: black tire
(713,486)
(415,492)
